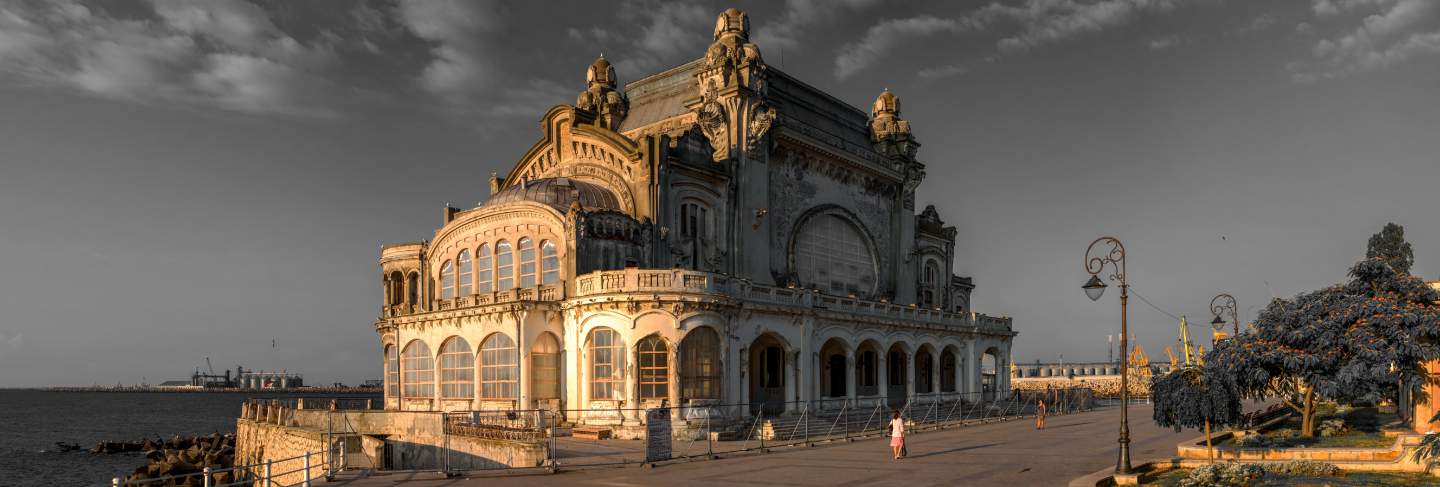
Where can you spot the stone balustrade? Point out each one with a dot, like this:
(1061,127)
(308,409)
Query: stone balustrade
(685,281)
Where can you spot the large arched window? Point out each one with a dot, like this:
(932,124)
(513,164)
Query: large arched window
(549,263)
(419,369)
(392,371)
(527,263)
(498,368)
(447,280)
(607,363)
(832,255)
(504,267)
(694,230)
(654,361)
(457,369)
(700,365)
(545,367)
(464,278)
(485,273)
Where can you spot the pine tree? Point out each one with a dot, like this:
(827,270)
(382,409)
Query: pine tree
(1390,246)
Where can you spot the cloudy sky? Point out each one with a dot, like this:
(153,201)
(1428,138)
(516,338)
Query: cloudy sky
(183,179)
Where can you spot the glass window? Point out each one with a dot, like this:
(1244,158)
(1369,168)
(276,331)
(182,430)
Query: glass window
(654,362)
(447,280)
(549,263)
(545,367)
(419,369)
(464,279)
(504,267)
(413,288)
(924,368)
(457,369)
(831,255)
(527,263)
(485,273)
(868,374)
(498,371)
(607,364)
(700,365)
(947,371)
(392,371)
(694,229)
(895,368)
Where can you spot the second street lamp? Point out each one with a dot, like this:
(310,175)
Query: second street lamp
(1220,305)
(1095,264)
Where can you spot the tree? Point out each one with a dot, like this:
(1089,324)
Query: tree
(1390,246)
(1196,397)
(1361,341)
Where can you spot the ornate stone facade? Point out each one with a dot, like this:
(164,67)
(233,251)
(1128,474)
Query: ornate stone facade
(716,233)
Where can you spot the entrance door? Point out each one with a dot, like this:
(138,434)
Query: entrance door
(837,376)
(767,379)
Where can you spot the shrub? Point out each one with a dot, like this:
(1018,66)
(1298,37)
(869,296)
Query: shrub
(1333,427)
(1228,474)
(1279,439)
(1302,468)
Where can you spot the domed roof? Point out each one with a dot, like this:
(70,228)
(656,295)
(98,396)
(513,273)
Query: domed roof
(558,193)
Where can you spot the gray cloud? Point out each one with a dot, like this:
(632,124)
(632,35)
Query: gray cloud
(784,31)
(221,53)
(664,33)
(1028,25)
(1391,32)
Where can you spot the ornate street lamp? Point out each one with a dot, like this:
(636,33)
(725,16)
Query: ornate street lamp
(1094,288)
(1222,304)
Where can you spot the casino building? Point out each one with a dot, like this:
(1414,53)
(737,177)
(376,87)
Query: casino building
(718,233)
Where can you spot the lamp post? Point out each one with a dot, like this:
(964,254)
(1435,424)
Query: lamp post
(1219,306)
(1094,288)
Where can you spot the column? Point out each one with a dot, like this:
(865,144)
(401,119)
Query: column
(972,370)
(673,381)
(882,376)
(911,372)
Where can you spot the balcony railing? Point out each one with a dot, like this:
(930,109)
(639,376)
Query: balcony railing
(685,281)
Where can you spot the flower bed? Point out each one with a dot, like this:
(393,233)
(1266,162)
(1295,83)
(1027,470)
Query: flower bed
(1339,428)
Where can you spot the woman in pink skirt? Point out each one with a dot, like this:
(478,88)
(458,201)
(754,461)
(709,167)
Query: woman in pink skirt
(897,434)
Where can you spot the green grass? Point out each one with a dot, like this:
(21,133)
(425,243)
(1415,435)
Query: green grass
(1172,478)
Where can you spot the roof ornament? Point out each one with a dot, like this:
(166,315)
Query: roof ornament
(601,95)
(889,132)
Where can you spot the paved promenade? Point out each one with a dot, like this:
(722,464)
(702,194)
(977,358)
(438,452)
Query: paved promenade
(1011,454)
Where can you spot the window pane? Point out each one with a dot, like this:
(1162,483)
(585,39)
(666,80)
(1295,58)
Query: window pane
(527,263)
(457,370)
(831,254)
(419,370)
(497,367)
(606,362)
(549,263)
(447,280)
(504,267)
(464,276)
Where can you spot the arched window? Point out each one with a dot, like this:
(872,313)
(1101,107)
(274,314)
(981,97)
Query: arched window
(419,369)
(947,371)
(498,372)
(545,367)
(457,369)
(485,273)
(607,363)
(527,263)
(447,280)
(504,267)
(833,256)
(654,361)
(392,371)
(700,365)
(395,289)
(930,286)
(549,263)
(465,278)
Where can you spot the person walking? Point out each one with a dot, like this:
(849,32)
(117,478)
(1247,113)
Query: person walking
(897,435)
(1040,414)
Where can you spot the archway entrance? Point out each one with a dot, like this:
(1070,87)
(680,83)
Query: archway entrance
(833,369)
(897,370)
(767,375)
(989,367)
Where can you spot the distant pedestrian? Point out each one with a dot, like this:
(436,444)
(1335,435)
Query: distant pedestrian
(897,435)
(1040,414)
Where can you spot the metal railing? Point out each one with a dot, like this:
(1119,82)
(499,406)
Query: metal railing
(264,474)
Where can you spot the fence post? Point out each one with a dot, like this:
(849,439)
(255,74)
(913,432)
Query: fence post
(268,463)
(306,482)
(206,473)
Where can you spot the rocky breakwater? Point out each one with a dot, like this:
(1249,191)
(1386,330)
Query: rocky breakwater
(179,456)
